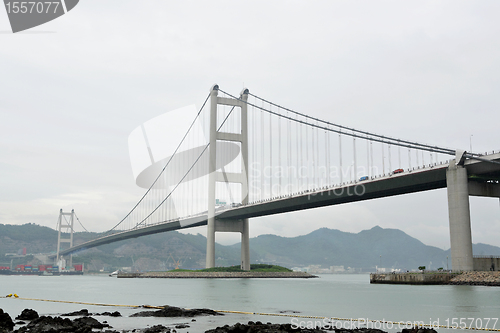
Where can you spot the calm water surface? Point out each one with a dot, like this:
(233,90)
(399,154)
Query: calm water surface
(344,296)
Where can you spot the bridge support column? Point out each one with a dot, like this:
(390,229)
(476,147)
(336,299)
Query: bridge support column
(212,168)
(245,246)
(241,226)
(459,216)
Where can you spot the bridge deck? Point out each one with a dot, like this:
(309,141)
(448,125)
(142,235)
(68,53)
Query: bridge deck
(418,180)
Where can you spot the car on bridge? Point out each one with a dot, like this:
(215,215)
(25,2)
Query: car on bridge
(363,178)
(398,171)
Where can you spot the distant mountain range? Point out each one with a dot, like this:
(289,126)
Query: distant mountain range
(389,248)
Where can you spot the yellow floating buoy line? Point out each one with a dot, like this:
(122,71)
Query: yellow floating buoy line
(331,319)
(84,303)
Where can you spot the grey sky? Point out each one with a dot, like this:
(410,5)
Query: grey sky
(73,89)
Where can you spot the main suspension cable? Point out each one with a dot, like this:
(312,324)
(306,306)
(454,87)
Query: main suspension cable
(168,162)
(355,130)
(373,137)
(185,175)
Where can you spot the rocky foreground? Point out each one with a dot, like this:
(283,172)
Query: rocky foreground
(30,322)
(477,279)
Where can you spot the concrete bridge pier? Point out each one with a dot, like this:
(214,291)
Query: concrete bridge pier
(241,226)
(459,216)
(245,246)
(212,168)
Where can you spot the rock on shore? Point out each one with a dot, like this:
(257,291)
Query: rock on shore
(6,323)
(43,324)
(262,328)
(252,327)
(85,312)
(173,311)
(27,314)
(477,279)
(57,324)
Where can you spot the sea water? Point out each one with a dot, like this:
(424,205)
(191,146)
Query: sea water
(346,296)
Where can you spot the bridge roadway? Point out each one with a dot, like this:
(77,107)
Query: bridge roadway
(416,180)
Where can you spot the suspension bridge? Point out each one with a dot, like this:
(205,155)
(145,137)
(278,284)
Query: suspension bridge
(244,156)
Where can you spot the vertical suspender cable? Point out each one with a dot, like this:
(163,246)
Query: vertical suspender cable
(409,159)
(314,158)
(340,159)
(416,155)
(371,159)
(355,165)
(399,156)
(383,161)
(390,159)
(271,152)
(318,177)
(254,157)
(307,155)
(262,188)
(297,154)
(368,156)
(301,158)
(190,179)
(280,175)
(289,151)
(327,158)
(181,188)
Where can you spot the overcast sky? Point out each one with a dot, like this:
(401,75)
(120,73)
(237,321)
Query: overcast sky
(73,89)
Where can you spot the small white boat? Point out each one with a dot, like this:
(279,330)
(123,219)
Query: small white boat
(115,273)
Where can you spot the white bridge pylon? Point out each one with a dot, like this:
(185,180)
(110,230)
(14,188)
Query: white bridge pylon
(240,136)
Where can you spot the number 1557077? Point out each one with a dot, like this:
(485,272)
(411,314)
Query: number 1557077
(32,7)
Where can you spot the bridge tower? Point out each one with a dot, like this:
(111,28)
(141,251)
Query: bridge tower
(219,225)
(69,225)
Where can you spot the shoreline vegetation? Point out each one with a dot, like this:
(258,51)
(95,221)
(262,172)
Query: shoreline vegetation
(256,271)
(29,321)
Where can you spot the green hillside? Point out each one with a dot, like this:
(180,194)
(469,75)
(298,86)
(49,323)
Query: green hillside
(366,249)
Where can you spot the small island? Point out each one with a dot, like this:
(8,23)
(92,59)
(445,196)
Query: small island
(256,271)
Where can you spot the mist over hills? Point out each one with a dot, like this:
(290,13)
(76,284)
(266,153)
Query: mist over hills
(389,248)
